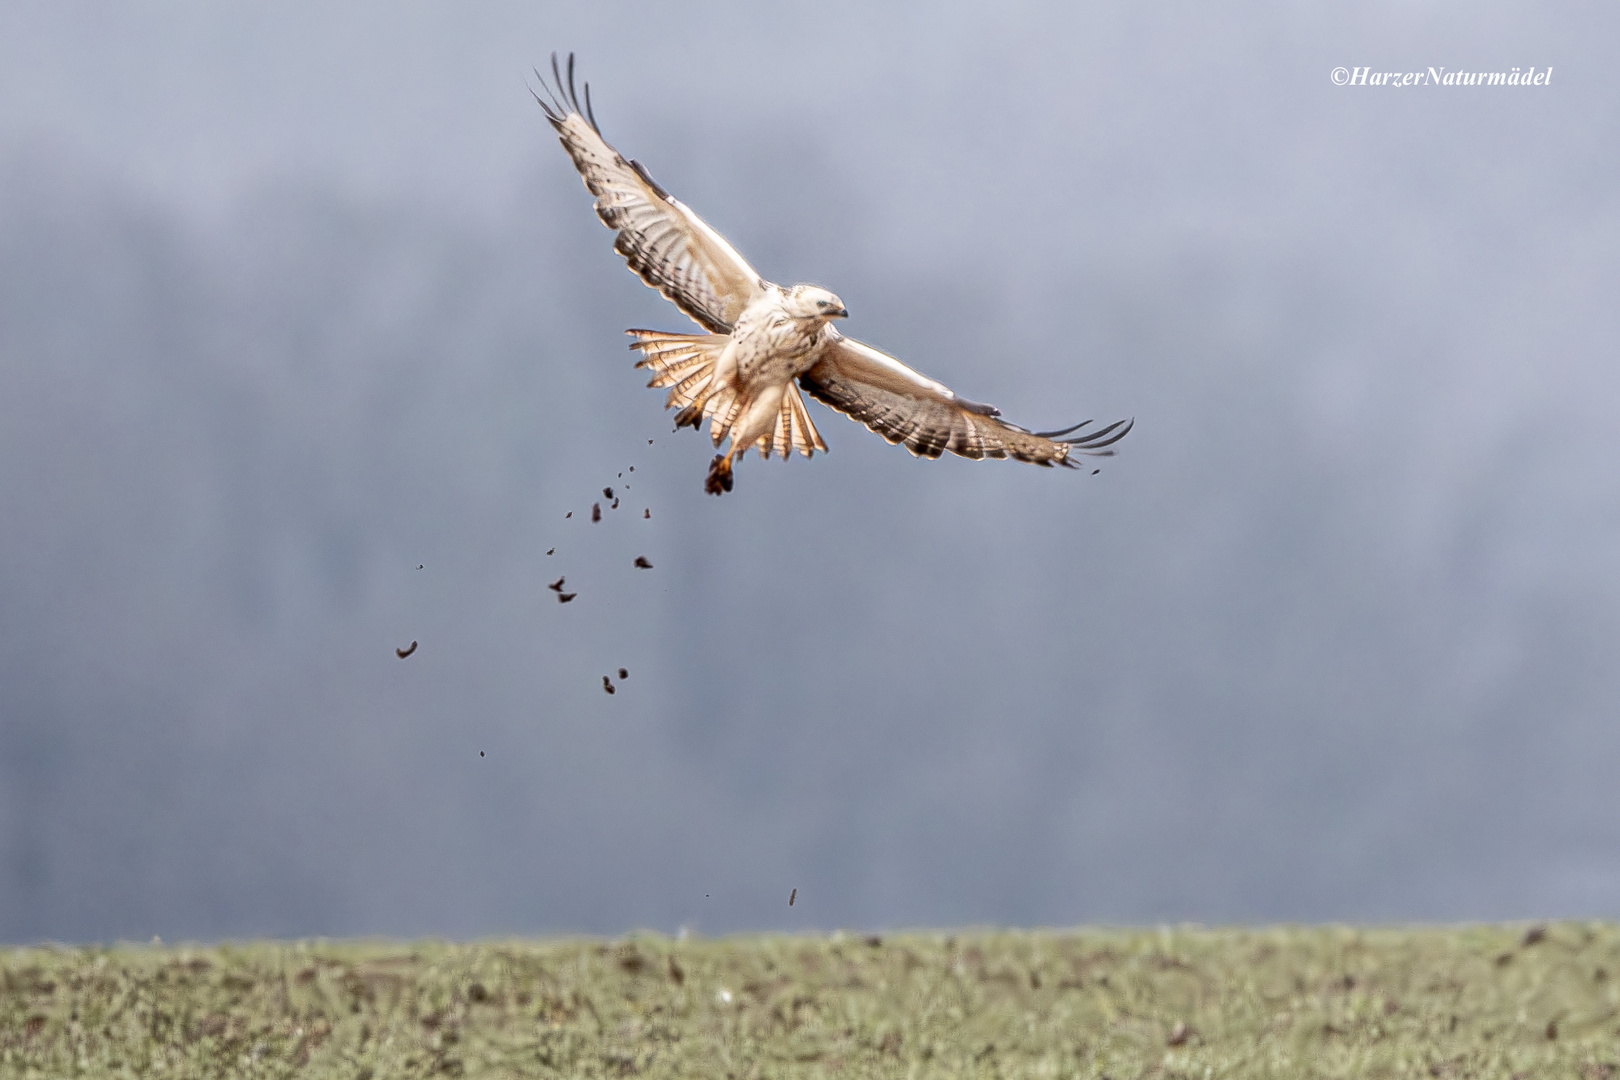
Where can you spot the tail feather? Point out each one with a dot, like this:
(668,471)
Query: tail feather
(794,431)
(723,408)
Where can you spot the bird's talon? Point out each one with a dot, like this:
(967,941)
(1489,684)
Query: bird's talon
(719,479)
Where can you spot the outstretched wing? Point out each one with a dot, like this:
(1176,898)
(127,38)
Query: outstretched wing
(668,245)
(906,407)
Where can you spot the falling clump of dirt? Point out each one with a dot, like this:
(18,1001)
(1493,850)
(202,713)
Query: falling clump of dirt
(607,684)
(564,597)
(403,653)
(596,512)
(642,563)
(556,586)
(623,674)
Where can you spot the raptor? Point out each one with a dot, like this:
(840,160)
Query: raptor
(762,342)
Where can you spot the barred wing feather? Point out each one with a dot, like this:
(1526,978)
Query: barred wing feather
(671,248)
(906,407)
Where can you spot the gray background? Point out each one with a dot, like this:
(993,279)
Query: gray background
(294,300)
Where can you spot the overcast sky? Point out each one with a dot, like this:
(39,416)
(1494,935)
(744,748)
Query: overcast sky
(310,342)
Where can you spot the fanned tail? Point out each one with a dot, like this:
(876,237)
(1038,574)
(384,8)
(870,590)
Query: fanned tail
(686,364)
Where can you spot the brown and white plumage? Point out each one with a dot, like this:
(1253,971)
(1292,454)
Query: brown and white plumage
(740,375)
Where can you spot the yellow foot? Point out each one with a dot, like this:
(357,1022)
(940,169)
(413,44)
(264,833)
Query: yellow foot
(719,481)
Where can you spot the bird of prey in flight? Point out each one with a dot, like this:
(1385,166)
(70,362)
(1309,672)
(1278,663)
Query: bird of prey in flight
(760,337)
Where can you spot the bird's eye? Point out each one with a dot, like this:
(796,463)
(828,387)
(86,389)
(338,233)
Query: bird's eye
(821,303)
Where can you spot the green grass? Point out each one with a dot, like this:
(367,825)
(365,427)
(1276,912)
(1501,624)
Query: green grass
(1483,1001)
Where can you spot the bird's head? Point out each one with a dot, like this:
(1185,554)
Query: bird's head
(814,302)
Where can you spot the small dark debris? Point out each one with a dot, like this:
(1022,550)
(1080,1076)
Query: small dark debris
(623,674)
(1179,1034)
(647,513)
(480,753)
(477,992)
(632,468)
(564,597)
(1534,936)
(615,505)
(792,896)
(874,942)
(419,566)
(621,476)
(551,551)
(596,512)
(556,586)
(1552,1030)
(403,653)
(568,515)
(1094,472)
(649,442)
(607,493)
(676,972)
(607,684)
(642,563)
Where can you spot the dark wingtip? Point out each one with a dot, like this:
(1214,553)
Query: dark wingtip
(556,108)
(1061,432)
(1093,443)
(551,113)
(573,95)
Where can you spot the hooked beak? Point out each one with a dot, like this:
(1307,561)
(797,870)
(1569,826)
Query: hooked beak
(838,313)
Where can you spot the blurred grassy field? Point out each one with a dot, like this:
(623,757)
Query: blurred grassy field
(1486,1001)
